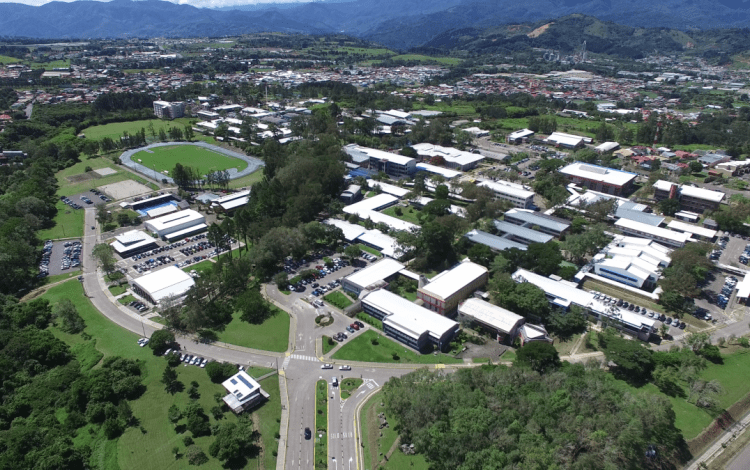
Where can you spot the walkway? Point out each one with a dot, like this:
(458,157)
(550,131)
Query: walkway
(252,162)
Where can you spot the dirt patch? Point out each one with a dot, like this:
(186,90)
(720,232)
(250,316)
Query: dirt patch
(125,189)
(540,30)
(80,178)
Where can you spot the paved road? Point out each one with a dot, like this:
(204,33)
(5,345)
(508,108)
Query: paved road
(300,366)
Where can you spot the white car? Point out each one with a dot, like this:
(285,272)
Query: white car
(142,342)
(345,367)
(196,361)
(327,366)
(203,364)
(167,352)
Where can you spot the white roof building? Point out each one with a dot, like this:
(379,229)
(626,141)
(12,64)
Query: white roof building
(515,193)
(520,134)
(502,320)
(244,392)
(372,275)
(567,140)
(661,235)
(367,209)
(607,147)
(599,174)
(374,238)
(232,201)
(159,285)
(391,189)
(438,170)
(454,158)
(177,222)
(131,242)
(699,232)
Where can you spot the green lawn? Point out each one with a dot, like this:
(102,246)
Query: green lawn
(68,223)
(116,129)
(257,371)
(374,444)
(117,290)
(348,386)
(199,267)
(126,300)
(408,214)
(271,335)
(370,320)
(247,181)
(372,251)
(206,161)
(337,299)
(61,277)
(361,349)
(81,181)
(152,449)
(428,59)
(321,424)
(327,346)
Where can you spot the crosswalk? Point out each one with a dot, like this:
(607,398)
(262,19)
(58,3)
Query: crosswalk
(304,358)
(342,435)
(286,362)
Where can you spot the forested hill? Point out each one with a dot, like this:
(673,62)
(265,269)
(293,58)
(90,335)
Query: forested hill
(498,417)
(565,35)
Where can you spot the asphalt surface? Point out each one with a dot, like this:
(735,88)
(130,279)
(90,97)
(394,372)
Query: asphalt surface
(56,257)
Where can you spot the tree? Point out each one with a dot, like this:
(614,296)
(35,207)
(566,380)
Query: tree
(281,279)
(169,379)
(197,420)
(103,216)
(631,357)
(195,455)
(103,253)
(669,206)
(547,257)
(174,414)
(668,380)
(252,306)
(352,251)
(481,254)
(160,341)
(219,372)
(233,441)
(565,324)
(66,311)
(540,356)
(695,166)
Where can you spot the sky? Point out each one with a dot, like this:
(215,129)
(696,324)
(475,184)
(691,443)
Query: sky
(195,3)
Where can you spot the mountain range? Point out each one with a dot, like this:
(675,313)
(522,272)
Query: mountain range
(399,24)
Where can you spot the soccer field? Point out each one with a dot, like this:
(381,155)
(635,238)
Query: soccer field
(114,130)
(206,161)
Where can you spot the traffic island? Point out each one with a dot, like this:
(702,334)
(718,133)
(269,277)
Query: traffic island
(321,424)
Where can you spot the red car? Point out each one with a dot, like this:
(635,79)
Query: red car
(355,326)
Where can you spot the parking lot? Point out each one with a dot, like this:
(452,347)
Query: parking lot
(710,301)
(95,196)
(63,258)
(183,253)
(731,254)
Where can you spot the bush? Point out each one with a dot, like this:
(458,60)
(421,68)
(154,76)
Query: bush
(187,440)
(219,372)
(195,455)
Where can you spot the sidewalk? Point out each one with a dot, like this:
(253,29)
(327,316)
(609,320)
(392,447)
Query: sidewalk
(284,429)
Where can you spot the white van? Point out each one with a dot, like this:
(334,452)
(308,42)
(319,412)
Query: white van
(334,381)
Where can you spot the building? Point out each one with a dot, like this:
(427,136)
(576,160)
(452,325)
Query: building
(244,392)
(179,224)
(444,291)
(568,141)
(493,241)
(167,110)
(368,209)
(632,271)
(170,282)
(712,159)
(232,201)
(455,159)
(351,195)
(686,216)
(376,274)
(661,235)
(542,223)
(521,234)
(563,294)
(599,178)
(355,233)
(389,163)
(607,147)
(529,333)
(438,170)
(409,323)
(133,243)
(519,137)
(696,231)
(516,194)
(692,199)
(477,132)
(503,323)
(637,212)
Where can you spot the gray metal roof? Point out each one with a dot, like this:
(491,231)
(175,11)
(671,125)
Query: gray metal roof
(538,219)
(526,233)
(493,241)
(623,212)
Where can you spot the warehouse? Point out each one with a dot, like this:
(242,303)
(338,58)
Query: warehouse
(454,158)
(133,243)
(378,273)
(521,234)
(159,285)
(444,291)
(232,201)
(697,232)
(599,178)
(182,223)
(568,141)
(493,241)
(502,323)
(409,323)
(519,137)
(244,392)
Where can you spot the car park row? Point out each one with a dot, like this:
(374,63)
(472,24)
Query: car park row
(637,309)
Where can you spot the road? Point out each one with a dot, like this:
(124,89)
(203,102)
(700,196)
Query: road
(300,366)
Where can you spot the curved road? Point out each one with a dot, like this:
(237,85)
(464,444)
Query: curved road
(299,368)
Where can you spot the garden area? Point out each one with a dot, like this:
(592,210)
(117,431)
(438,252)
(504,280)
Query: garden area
(371,346)
(338,299)
(348,386)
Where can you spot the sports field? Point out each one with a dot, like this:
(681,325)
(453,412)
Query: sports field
(114,130)
(206,161)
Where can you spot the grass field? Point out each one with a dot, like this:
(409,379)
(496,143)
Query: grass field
(247,181)
(426,58)
(271,335)
(327,346)
(374,444)
(135,449)
(372,251)
(408,214)
(69,187)
(199,267)
(68,223)
(117,290)
(115,130)
(348,386)
(205,160)
(361,349)
(337,299)
(321,424)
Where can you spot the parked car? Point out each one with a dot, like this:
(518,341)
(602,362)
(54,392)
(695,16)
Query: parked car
(327,366)
(359,324)
(345,367)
